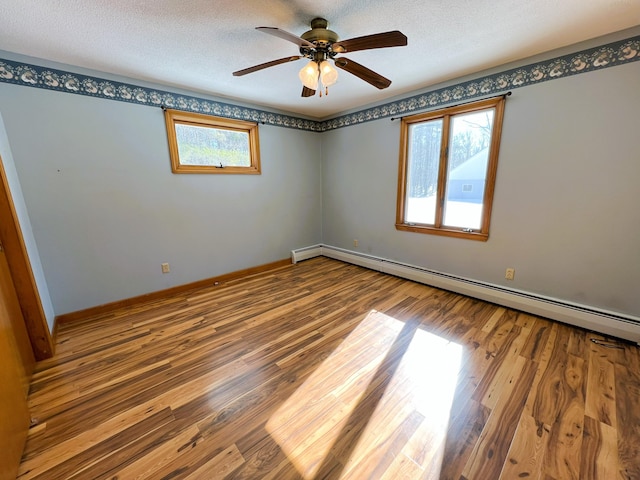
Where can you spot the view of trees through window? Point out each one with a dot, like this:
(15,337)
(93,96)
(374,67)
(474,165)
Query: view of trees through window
(212,146)
(424,158)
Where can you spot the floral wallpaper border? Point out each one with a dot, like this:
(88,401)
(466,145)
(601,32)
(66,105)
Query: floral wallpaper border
(609,55)
(612,54)
(59,80)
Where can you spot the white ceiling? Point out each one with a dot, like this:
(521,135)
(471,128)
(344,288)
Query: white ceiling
(197,44)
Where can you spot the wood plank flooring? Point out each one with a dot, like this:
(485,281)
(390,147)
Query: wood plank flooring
(324,370)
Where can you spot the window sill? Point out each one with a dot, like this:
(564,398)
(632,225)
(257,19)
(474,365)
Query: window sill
(446,232)
(213,169)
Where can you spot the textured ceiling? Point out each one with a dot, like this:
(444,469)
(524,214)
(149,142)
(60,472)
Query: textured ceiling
(197,44)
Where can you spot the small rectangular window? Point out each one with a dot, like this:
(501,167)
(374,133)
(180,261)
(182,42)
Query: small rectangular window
(205,144)
(447,169)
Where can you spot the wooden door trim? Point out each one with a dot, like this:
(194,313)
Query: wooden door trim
(22,275)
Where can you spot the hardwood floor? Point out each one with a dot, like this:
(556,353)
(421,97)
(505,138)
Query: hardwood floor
(328,370)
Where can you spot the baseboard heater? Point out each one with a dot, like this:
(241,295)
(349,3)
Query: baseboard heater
(602,321)
(306,253)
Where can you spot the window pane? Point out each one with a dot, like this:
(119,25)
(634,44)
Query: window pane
(212,146)
(423,162)
(467,169)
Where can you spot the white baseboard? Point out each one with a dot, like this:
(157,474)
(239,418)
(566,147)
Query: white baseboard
(597,320)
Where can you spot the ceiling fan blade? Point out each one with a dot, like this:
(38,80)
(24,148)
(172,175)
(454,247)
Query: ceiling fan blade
(363,72)
(272,63)
(377,40)
(301,42)
(307,92)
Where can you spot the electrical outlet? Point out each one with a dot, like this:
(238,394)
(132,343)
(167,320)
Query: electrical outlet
(510,273)
(355,242)
(165,267)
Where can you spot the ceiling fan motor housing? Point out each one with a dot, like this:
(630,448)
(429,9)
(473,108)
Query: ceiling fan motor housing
(319,35)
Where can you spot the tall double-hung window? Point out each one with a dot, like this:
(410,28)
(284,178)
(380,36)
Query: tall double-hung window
(447,170)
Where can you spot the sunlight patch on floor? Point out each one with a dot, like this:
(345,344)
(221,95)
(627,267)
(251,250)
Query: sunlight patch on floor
(422,390)
(388,385)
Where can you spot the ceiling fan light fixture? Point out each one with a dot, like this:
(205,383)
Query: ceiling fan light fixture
(309,75)
(328,74)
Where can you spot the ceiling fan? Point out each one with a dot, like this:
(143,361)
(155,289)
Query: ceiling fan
(320,45)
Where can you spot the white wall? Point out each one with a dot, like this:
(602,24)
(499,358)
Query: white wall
(25,225)
(565,212)
(106,210)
